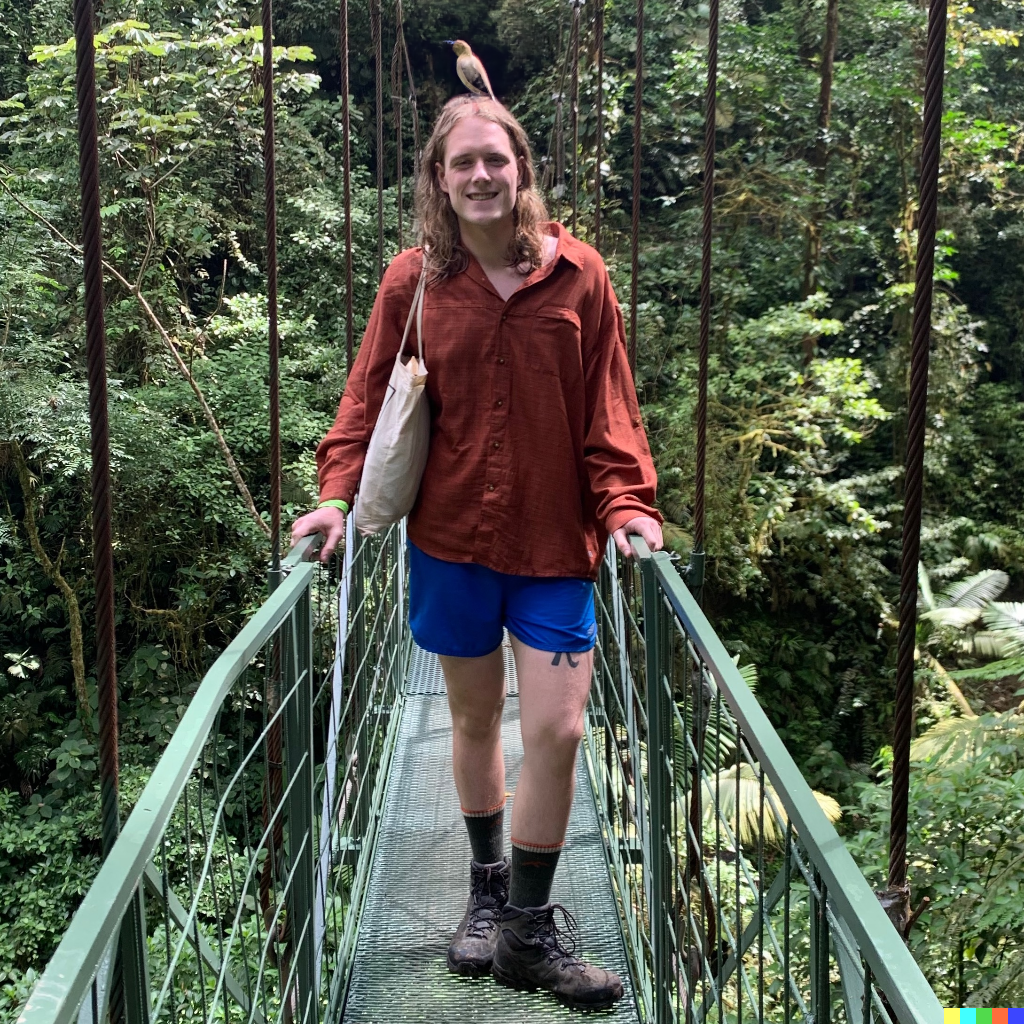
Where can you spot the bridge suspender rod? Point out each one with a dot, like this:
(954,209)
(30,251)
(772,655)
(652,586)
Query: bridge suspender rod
(378,77)
(575,100)
(396,108)
(599,115)
(638,105)
(914,478)
(695,571)
(270,200)
(127,1000)
(346,165)
(99,424)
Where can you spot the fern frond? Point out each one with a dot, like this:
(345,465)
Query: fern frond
(975,591)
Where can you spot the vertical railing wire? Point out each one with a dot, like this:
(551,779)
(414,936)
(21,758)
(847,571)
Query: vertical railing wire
(378,78)
(599,118)
(898,901)
(638,105)
(346,173)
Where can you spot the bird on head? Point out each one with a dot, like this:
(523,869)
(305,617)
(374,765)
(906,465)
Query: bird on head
(471,70)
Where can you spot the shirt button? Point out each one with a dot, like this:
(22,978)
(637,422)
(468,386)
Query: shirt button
(490,487)
(497,444)
(498,402)
(501,362)
(504,316)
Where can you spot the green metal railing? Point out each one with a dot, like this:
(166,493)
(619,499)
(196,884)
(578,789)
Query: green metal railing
(234,890)
(739,899)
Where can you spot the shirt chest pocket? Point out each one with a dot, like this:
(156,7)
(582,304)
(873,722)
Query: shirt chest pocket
(555,342)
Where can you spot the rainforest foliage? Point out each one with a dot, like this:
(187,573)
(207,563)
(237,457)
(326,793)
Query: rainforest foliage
(814,250)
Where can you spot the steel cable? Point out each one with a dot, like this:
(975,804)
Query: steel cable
(99,424)
(914,475)
(378,77)
(575,112)
(710,100)
(638,103)
(346,163)
(599,115)
(270,201)
(99,444)
(396,111)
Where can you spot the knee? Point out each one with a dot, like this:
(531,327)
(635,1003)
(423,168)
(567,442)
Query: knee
(556,741)
(475,721)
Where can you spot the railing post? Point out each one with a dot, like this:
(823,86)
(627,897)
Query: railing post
(298,675)
(659,786)
(821,999)
(133,961)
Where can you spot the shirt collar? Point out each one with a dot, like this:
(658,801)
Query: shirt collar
(566,247)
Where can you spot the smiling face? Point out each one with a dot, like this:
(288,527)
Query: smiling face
(480,174)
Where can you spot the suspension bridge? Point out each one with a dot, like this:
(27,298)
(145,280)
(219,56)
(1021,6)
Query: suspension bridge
(297,855)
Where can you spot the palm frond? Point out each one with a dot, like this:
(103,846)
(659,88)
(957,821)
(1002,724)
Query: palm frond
(957,739)
(955,618)
(975,591)
(749,825)
(1005,615)
(927,598)
(988,645)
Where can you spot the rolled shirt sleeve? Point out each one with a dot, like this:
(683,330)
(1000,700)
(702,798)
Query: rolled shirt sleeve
(618,460)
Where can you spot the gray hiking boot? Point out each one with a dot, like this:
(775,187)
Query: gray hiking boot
(472,949)
(530,954)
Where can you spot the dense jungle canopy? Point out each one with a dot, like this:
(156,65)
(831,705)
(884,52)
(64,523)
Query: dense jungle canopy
(814,253)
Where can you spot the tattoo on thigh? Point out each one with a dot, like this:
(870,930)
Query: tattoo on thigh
(568,657)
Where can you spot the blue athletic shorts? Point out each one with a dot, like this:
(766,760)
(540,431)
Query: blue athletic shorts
(458,609)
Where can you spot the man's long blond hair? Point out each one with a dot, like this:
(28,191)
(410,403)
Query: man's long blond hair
(437,224)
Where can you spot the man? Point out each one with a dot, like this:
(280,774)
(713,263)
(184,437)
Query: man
(537,454)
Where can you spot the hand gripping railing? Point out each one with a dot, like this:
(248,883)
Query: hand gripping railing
(740,901)
(250,846)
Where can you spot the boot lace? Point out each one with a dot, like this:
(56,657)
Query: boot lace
(487,907)
(562,940)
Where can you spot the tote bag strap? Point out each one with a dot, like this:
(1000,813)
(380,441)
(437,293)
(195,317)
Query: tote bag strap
(416,310)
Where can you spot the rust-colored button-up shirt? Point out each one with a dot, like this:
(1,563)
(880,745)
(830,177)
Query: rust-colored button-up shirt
(537,449)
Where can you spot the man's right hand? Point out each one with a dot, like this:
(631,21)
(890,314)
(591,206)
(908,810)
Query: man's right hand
(329,521)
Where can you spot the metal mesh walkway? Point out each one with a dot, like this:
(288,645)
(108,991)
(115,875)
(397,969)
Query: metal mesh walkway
(420,881)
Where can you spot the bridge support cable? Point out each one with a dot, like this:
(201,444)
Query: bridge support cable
(270,204)
(598,116)
(346,175)
(897,897)
(694,574)
(638,108)
(125,982)
(396,113)
(378,80)
(574,99)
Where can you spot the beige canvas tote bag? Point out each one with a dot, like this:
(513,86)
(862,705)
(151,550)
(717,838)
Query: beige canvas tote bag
(398,448)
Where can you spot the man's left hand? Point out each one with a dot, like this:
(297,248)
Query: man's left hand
(642,526)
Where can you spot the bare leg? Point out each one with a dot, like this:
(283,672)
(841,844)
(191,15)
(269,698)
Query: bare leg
(553,690)
(476,697)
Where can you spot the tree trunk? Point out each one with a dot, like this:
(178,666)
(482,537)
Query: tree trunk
(53,573)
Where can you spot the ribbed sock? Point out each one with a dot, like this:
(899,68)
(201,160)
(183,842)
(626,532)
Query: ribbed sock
(486,833)
(533,871)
